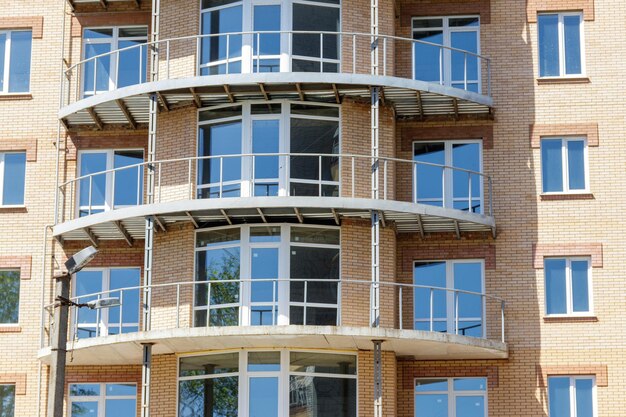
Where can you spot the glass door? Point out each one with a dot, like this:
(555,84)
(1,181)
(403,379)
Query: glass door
(265,169)
(266,46)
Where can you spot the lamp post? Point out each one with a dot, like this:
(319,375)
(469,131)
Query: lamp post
(56,384)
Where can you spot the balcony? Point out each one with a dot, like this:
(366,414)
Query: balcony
(206,70)
(274,187)
(419,321)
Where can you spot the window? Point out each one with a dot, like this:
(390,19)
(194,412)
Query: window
(224,53)
(459,187)
(265,258)
(561,44)
(92,284)
(451,397)
(12,178)
(15,56)
(10,300)
(444,66)
(572,396)
(111,71)
(7,400)
(109,190)
(103,400)
(564,167)
(268,384)
(568,286)
(281,127)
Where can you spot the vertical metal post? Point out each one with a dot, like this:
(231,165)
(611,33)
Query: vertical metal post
(146,376)
(378,378)
(56,382)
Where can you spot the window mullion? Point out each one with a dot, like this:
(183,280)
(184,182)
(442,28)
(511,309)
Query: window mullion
(7,61)
(561,41)
(572,397)
(568,286)
(565,165)
(1,179)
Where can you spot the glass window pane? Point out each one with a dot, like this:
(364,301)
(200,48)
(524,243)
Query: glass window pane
(128,182)
(314,18)
(315,235)
(468,277)
(133,32)
(3,38)
(220,113)
(466,156)
(464,66)
(548,45)
(120,408)
(217,140)
(431,405)
(91,163)
(556,299)
(427,23)
(84,409)
(217,265)
(584,397)
(573,64)
(218,237)
(121,389)
(265,140)
(226,20)
(464,21)
(429,274)
(263,397)
(209,364)
(7,400)
(314,137)
(576,164)
(551,165)
(265,234)
(19,72)
(580,286)
(470,406)
(131,68)
(428,59)
(263,361)
(428,385)
(470,384)
(98,33)
(328,363)
(14,178)
(87,282)
(97,70)
(84,390)
(558,396)
(264,267)
(216,397)
(322,397)
(10,300)
(315,264)
(267,19)
(429,182)
(312,110)
(125,278)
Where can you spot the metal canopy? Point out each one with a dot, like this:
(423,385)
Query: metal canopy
(129,106)
(129,223)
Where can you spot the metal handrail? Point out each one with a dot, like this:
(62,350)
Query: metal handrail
(399,290)
(348,165)
(354,37)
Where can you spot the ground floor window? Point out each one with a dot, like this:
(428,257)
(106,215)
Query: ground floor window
(451,397)
(571,396)
(7,400)
(268,384)
(103,400)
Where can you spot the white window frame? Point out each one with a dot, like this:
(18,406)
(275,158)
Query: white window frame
(102,324)
(244,375)
(109,198)
(445,70)
(568,287)
(450,295)
(447,183)
(16,324)
(245,267)
(100,399)
(2,155)
(453,394)
(7,63)
(572,393)
(565,164)
(114,41)
(561,40)
(286,23)
(284,176)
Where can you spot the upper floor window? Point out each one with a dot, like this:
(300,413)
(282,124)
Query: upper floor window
(568,285)
(111,71)
(89,399)
(101,189)
(10,300)
(7,400)
(451,397)
(96,283)
(564,165)
(268,384)
(226,132)
(256,263)
(561,44)
(446,66)
(456,304)
(572,396)
(15,59)
(459,187)
(222,53)
(12,178)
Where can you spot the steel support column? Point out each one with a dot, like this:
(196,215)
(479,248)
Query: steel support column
(146,378)
(378,378)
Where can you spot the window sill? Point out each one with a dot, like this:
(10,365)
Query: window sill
(563,80)
(570,319)
(16,96)
(13,209)
(10,328)
(567,196)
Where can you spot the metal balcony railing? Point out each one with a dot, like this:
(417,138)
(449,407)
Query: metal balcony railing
(176,305)
(278,175)
(281,51)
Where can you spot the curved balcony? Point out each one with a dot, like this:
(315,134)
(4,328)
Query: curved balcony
(275,187)
(95,96)
(419,321)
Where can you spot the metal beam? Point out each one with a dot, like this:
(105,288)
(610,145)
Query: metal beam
(92,237)
(127,237)
(164,102)
(457,229)
(195,223)
(337,97)
(300,92)
(146,379)
(298,214)
(455,105)
(104,4)
(336,216)
(160,223)
(262,88)
(382,218)
(231,98)
(378,378)
(226,216)
(420,225)
(72,5)
(420,104)
(261,214)
(137,4)
(129,117)
(197,101)
(95,118)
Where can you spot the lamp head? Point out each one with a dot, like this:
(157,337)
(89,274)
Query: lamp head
(104,303)
(80,260)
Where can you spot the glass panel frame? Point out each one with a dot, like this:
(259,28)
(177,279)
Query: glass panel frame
(15,61)
(569,162)
(573,289)
(103,399)
(564,57)
(447,393)
(13,167)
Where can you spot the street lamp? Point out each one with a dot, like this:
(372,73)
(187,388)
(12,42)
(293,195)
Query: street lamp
(56,384)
